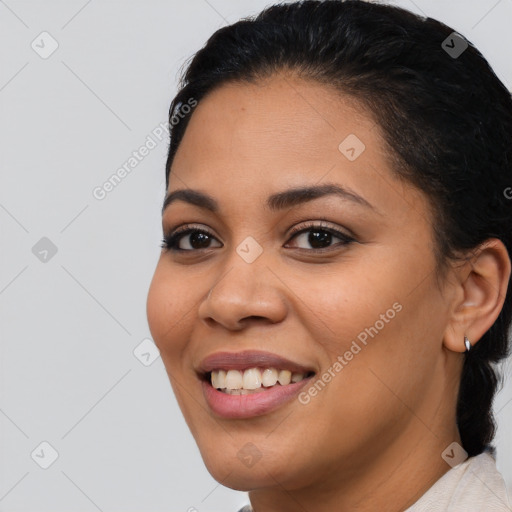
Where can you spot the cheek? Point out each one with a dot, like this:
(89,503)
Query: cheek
(376,325)
(168,307)
(342,306)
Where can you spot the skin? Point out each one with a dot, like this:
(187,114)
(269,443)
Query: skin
(374,435)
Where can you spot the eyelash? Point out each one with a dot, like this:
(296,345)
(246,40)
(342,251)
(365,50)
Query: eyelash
(171,241)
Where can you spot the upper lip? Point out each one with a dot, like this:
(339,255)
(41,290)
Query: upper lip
(249,359)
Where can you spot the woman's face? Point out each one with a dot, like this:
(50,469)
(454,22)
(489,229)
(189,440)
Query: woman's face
(352,297)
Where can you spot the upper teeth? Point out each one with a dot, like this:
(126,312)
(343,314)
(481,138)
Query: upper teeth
(253,378)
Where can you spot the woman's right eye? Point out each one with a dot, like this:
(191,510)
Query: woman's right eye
(195,238)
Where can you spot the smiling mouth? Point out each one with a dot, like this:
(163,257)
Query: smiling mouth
(253,380)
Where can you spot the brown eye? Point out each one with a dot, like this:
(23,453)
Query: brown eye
(195,239)
(319,237)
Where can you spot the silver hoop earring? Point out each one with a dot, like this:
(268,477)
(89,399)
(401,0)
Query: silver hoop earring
(467,343)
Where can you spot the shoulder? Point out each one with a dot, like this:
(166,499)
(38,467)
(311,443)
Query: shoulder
(472,486)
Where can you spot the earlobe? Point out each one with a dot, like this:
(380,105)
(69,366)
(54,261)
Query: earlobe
(483,283)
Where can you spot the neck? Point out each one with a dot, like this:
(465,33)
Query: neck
(397,477)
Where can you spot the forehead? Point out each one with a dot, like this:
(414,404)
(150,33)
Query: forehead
(279,117)
(246,141)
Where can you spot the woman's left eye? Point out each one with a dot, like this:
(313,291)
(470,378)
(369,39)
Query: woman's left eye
(320,237)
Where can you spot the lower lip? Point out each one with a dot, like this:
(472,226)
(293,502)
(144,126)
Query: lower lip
(254,404)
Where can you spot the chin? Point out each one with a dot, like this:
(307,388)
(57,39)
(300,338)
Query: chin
(240,478)
(248,468)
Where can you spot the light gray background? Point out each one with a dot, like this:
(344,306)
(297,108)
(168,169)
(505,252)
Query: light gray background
(70,325)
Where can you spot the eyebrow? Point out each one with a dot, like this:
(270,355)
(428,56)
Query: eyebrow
(275,202)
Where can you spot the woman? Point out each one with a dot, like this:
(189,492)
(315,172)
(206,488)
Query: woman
(333,287)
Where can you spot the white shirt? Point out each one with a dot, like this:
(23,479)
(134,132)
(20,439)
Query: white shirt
(475,485)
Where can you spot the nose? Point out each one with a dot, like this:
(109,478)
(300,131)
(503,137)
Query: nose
(244,293)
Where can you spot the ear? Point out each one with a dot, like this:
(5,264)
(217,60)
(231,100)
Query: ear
(481,284)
